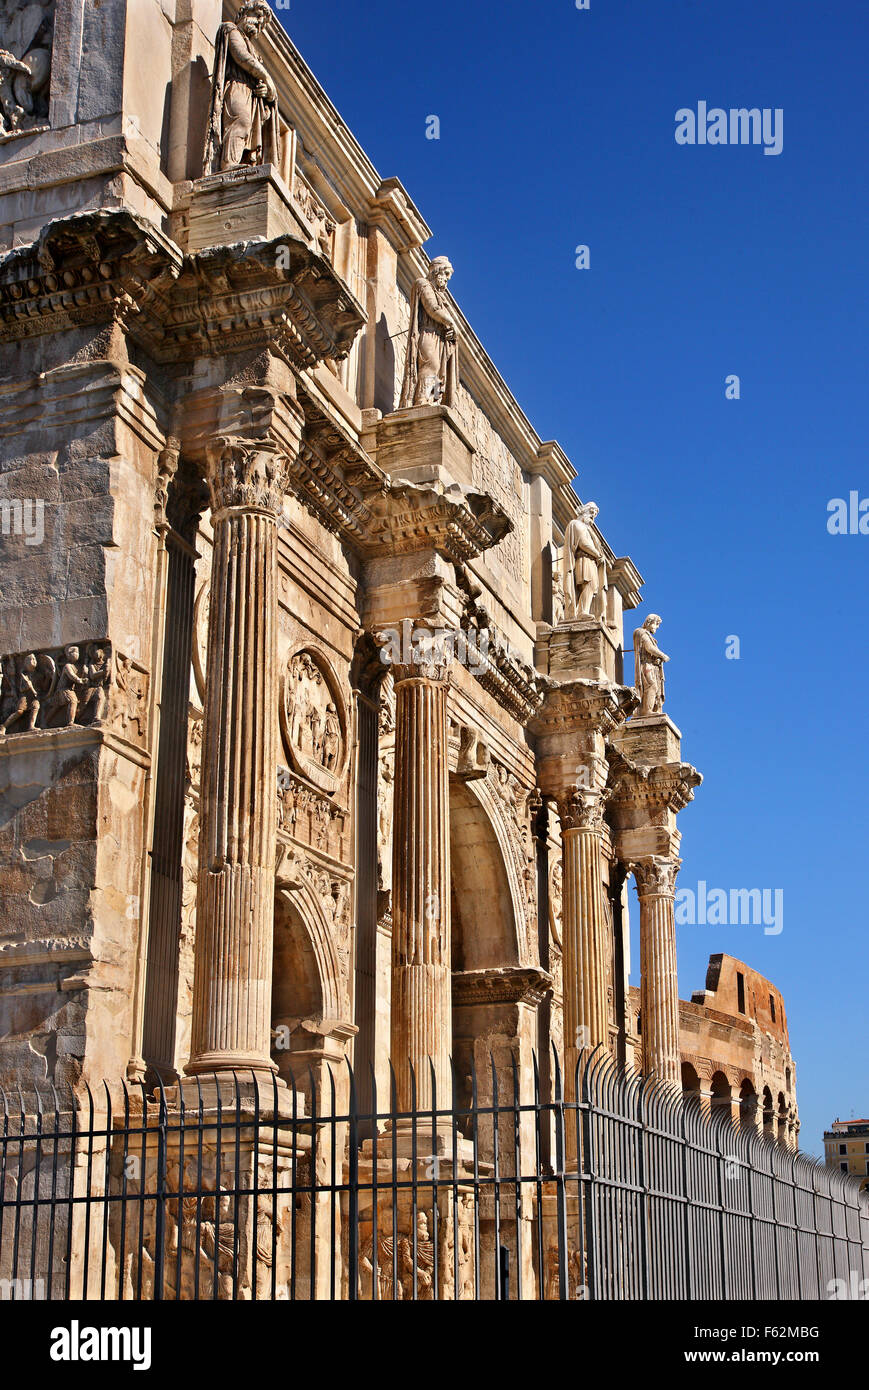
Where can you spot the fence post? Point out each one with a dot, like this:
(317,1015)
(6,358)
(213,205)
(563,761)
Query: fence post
(560,1202)
(353,1197)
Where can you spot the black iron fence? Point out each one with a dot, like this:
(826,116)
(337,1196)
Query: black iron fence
(246,1190)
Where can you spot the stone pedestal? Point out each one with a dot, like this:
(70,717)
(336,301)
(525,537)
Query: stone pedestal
(235,901)
(650,740)
(584,649)
(414,1227)
(241,204)
(235,1219)
(425,444)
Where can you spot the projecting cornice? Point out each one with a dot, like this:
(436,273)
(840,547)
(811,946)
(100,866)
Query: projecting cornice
(632,787)
(457,522)
(111,265)
(573,704)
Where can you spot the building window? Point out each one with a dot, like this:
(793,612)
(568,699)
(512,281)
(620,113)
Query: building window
(740,991)
(843,1148)
(772,1008)
(844,1167)
(867,1148)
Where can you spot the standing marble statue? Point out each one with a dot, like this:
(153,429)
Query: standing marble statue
(649,667)
(431,367)
(243,121)
(585,579)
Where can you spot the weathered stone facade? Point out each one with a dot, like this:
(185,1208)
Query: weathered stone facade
(735,1049)
(315,737)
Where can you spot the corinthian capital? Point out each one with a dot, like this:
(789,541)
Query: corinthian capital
(581,809)
(245,473)
(655,876)
(416,651)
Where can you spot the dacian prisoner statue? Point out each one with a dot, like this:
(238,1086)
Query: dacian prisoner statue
(649,667)
(584,566)
(431,367)
(243,121)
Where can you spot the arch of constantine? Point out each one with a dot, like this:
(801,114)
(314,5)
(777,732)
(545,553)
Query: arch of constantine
(316,736)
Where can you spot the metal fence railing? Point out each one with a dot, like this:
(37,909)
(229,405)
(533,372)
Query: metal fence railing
(246,1190)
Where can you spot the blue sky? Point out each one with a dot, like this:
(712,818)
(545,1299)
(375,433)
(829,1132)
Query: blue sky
(557,129)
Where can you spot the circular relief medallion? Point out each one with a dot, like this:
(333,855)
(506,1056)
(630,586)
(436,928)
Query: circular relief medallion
(313,720)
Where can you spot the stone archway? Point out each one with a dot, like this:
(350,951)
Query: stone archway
(496,994)
(485,934)
(720,1093)
(690,1084)
(768,1114)
(748,1105)
(310,1026)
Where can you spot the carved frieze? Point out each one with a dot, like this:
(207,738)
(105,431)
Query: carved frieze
(85,685)
(309,815)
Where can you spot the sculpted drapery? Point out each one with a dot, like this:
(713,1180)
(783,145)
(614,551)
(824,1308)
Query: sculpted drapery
(243,121)
(431,367)
(649,667)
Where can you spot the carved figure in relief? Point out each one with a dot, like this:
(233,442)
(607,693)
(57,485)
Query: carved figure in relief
(396,1256)
(558,606)
(431,367)
(584,567)
(331,736)
(24,692)
(25,63)
(313,725)
(385,791)
(556,900)
(70,684)
(243,123)
(649,667)
(98,674)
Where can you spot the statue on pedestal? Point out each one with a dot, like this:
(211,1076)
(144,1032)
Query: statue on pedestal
(585,580)
(243,122)
(431,367)
(649,667)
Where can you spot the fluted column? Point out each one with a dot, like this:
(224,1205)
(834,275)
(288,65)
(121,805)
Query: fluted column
(659,988)
(584,928)
(421,1020)
(235,901)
